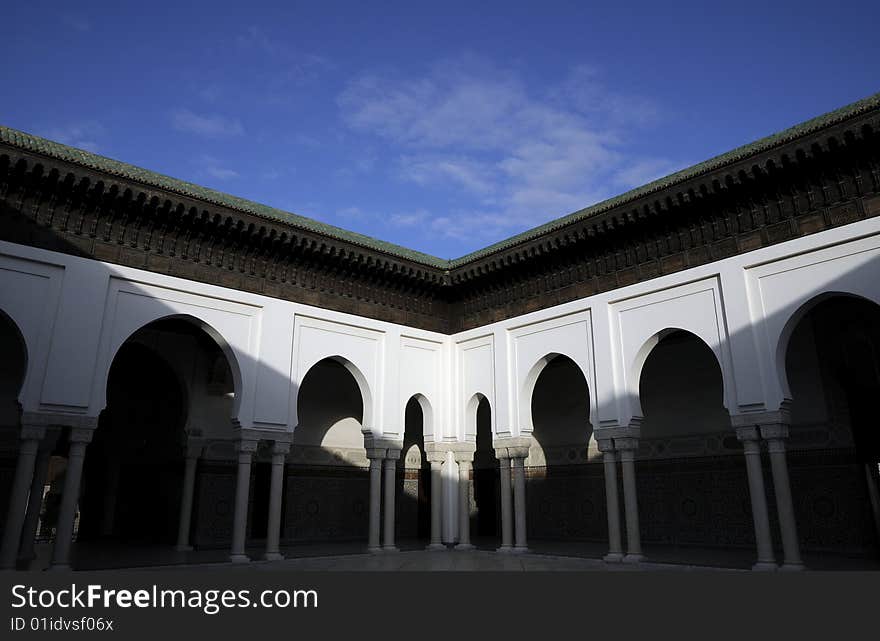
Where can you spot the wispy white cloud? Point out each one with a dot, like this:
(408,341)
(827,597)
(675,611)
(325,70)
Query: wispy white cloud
(520,154)
(409,219)
(83,135)
(211,167)
(463,172)
(206,125)
(350,213)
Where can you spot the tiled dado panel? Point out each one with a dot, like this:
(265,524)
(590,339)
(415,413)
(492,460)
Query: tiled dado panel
(325,504)
(705,502)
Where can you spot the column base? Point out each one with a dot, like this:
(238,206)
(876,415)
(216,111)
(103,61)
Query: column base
(505,549)
(613,557)
(60,567)
(374,550)
(239,558)
(519,549)
(273,556)
(436,546)
(792,567)
(390,548)
(634,558)
(765,566)
(183,548)
(464,546)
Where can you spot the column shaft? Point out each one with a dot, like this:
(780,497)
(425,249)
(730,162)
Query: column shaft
(242,492)
(506,508)
(436,505)
(390,491)
(784,505)
(69,499)
(633,536)
(763,540)
(276,489)
(186,501)
(519,501)
(615,546)
(18,501)
(464,506)
(373,544)
(35,505)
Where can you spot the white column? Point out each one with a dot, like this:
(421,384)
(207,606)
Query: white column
(276,489)
(193,452)
(519,501)
(436,502)
(376,458)
(464,504)
(609,460)
(390,494)
(246,449)
(31,435)
(627,447)
(506,507)
(750,439)
(775,436)
(79,439)
(35,501)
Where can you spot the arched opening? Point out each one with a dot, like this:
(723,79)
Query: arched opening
(832,364)
(328,471)
(168,382)
(565,494)
(13,366)
(692,483)
(414,489)
(485,514)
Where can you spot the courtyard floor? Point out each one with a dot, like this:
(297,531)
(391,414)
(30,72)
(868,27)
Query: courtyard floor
(542,556)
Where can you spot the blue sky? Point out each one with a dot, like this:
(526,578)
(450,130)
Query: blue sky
(441,126)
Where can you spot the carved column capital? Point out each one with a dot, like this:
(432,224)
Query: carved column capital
(774,432)
(281,447)
(194,448)
(626,444)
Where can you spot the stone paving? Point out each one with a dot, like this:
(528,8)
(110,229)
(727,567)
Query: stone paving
(451,560)
(542,556)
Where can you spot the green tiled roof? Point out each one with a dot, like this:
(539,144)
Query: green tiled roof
(764,144)
(103,164)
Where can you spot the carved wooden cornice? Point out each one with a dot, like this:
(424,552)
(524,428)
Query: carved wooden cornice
(818,175)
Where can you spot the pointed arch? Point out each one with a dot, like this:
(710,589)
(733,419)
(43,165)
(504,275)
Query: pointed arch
(362,384)
(211,332)
(427,415)
(8,325)
(642,354)
(791,324)
(528,387)
(470,416)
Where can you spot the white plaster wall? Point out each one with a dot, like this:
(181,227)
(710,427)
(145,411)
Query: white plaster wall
(740,307)
(421,373)
(74,313)
(475,377)
(533,346)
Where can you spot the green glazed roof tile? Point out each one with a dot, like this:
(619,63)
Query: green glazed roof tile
(59,151)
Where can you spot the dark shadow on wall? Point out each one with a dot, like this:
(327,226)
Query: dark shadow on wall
(565,493)
(486,491)
(692,477)
(413,494)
